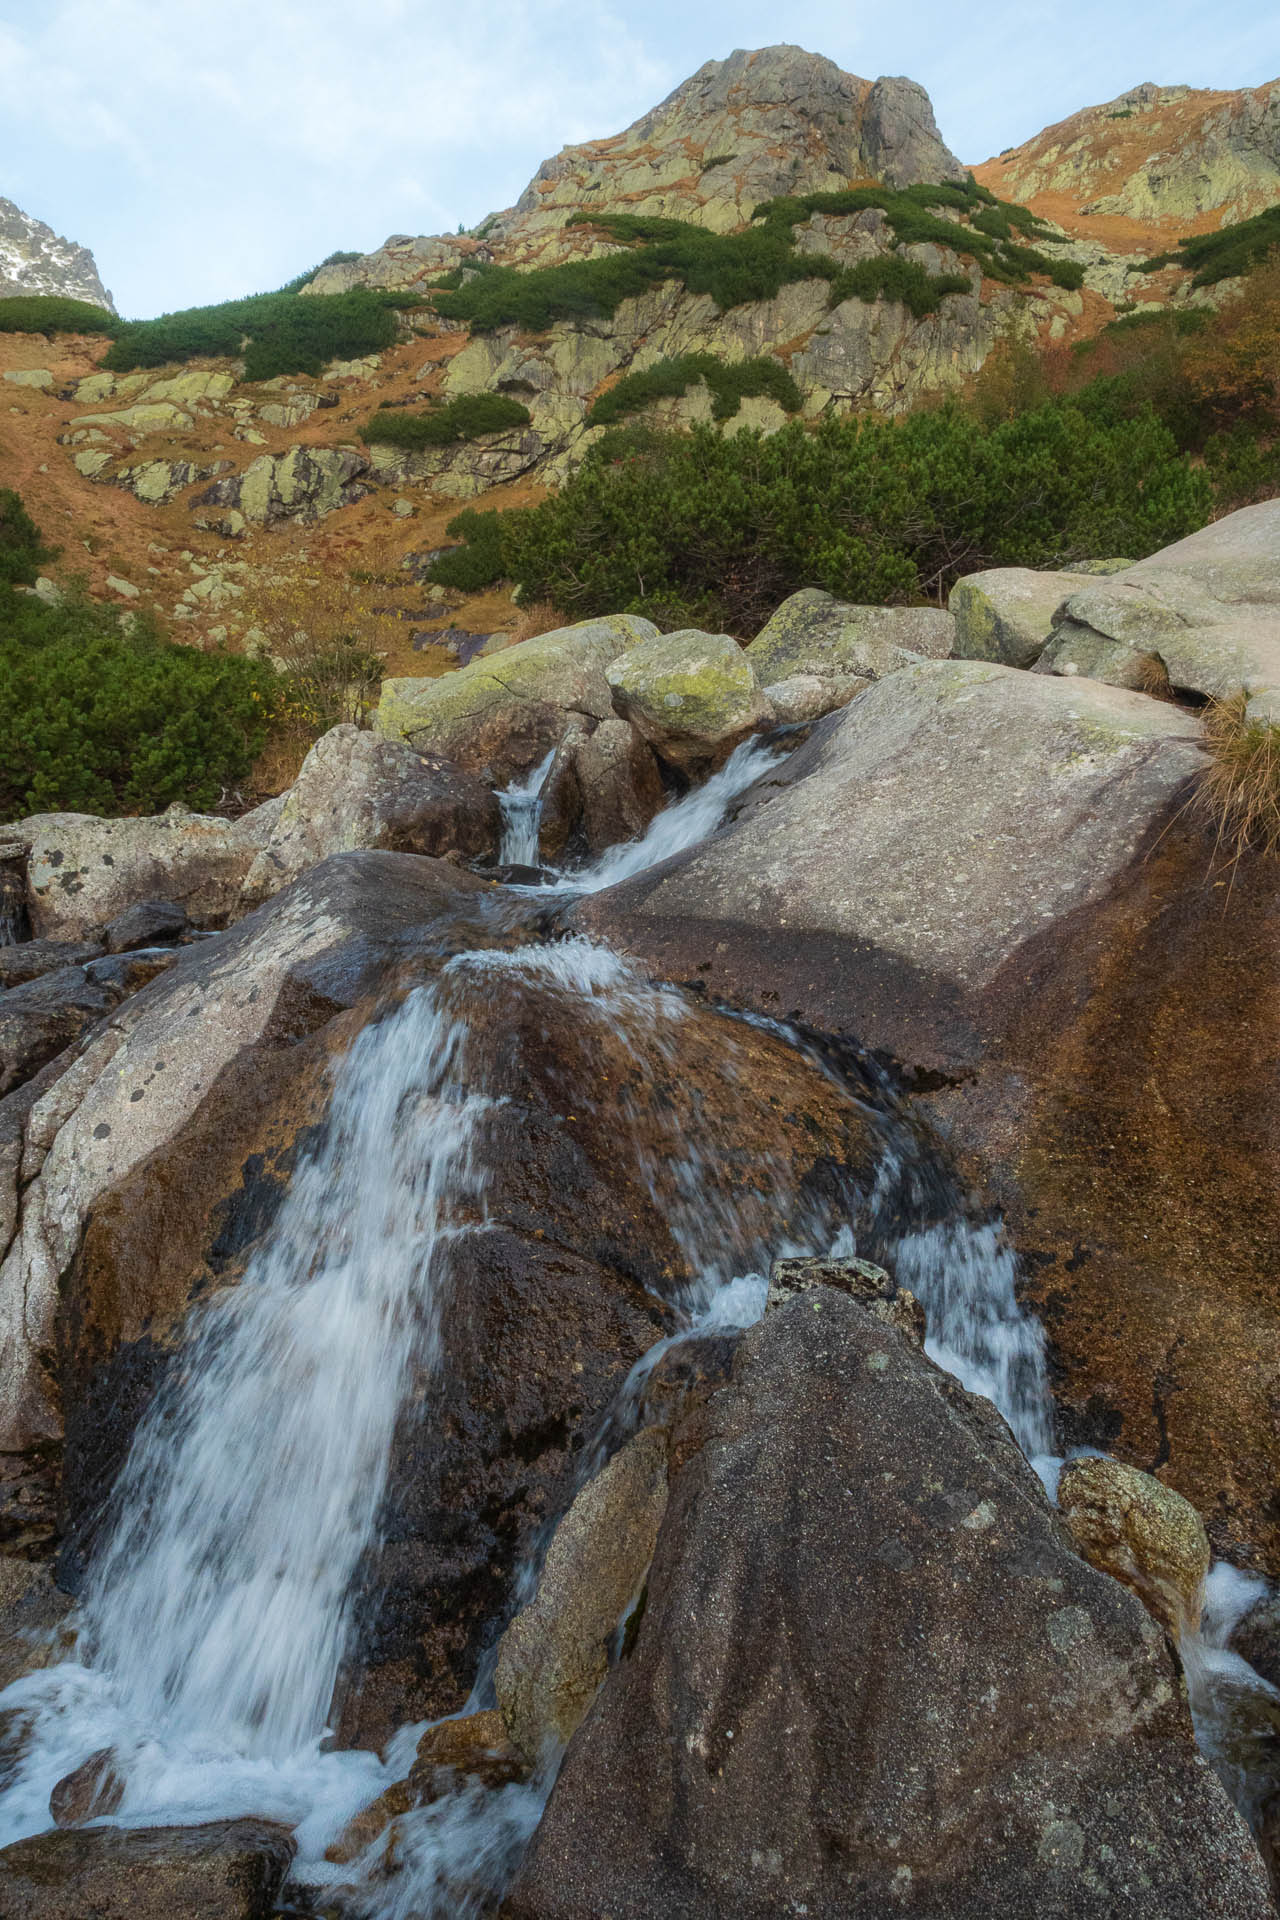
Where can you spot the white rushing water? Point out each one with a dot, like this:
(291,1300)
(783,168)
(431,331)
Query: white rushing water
(521,805)
(681,825)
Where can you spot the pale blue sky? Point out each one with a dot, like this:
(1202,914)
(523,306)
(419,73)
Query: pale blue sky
(204,151)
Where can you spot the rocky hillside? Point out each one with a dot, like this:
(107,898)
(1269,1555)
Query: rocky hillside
(34,259)
(1143,170)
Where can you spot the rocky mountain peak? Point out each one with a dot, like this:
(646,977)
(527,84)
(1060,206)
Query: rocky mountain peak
(34,259)
(1156,163)
(774,121)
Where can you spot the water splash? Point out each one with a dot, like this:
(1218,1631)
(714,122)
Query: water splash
(521,805)
(679,826)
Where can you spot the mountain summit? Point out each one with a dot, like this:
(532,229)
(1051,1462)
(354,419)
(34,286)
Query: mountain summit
(34,259)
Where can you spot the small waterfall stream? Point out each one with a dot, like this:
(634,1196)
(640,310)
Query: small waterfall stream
(219,1608)
(521,805)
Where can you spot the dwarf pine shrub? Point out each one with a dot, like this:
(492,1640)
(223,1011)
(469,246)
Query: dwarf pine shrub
(729,382)
(699,529)
(466,418)
(54,313)
(278,333)
(98,720)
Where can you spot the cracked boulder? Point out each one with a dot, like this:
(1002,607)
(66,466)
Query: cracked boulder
(502,713)
(872,1677)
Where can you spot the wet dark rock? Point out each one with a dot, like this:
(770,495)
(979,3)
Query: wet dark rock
(176,1118)
(1085,1061)
(231,1870)
(149,923)
(45,1015)
(872,1677)
(861,1280)
(31,958)
(32,1610)
(1257,1638)
(95,1789)
(475,1748)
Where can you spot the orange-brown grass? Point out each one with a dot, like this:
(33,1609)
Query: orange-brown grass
(540,616)
(1239,792)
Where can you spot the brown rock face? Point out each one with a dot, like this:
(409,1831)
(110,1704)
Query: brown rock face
(880,1686)
(1105,1066)
(554,1654)
(95,1788)
(1140,1532)
(232,1870)
(606,1102)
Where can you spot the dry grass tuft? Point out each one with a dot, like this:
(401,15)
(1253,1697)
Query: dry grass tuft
(539,617)
(1239,792)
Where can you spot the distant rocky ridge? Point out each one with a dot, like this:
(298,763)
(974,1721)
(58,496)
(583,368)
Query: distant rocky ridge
(34,259)
(1154,164)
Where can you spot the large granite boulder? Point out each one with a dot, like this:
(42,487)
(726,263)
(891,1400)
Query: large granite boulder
(872,1677)
(1206,611)
(501,714)
(230,1870)
(694,696)
(1006,613)
(928,833)
(814,633)
(82,871)
(356,790)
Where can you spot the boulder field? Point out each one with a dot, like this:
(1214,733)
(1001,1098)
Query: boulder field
(775,1620)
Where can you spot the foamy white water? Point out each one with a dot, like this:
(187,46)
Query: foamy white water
(679,826)
(521,805)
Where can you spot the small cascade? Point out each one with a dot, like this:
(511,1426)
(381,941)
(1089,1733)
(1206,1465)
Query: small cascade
(681,825)
(521,805)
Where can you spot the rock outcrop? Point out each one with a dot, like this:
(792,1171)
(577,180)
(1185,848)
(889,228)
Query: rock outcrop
(1152,165)
(693,696)
(502,713)
(81,870)
(887,1687)
(302,485)
(357,790)
(232,1870)
(1142,1533)
(1204,612)
(34,259)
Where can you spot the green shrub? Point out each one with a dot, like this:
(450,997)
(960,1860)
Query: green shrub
(278,333)
(465,418)
(730,382)
(714,531)
(735,268)
(22,551)
(95,720)
(476,564)
(54,313)
(1223,255)
(891,276)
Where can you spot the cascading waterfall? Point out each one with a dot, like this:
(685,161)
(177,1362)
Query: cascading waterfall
(218,1609)
(521,805)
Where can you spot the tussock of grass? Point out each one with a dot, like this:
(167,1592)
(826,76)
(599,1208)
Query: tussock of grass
(1239,792)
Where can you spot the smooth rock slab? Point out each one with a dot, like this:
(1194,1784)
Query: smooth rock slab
(872,1678)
